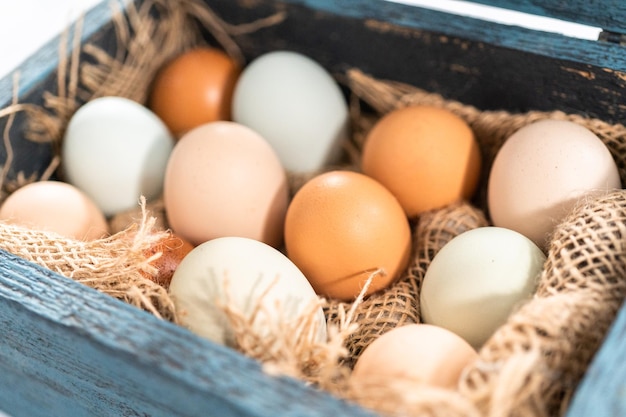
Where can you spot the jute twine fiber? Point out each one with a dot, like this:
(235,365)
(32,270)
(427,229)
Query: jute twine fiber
(116,265)
(531,365)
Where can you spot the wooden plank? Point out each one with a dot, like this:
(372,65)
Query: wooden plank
(67,350)
(397,42)
(604,14)
(602,393)
(551,45)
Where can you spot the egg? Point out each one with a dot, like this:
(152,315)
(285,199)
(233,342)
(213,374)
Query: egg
(415,353)
(426,156)
(57,207)
(116,150)
(250,276)
(296,105)
(343,227)
(172,250)
(224,179)
(542,171)
(477,279)
(194,88)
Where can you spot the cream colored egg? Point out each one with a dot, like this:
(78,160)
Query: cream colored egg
(415,354)
(542,171)
(224,179)
(244,274)
(57,207)
(477,279)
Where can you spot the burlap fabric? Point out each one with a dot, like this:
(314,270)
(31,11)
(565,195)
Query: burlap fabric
(117,265)
(531,365)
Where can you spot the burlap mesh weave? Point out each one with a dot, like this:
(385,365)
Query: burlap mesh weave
(116,265)
(399,304)
(531,365)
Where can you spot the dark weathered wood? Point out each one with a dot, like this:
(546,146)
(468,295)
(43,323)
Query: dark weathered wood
(36,69)
(553,45)
(530,71)
(605,14)
(37,75)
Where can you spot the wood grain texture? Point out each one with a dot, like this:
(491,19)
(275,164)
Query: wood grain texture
(605,14)
(411,45)
(69,350)
(602,393)
(484,64)
(541,43)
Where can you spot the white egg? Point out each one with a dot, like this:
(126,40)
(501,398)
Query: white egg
(296,105)
(116,150)
(242,273)
(477,279)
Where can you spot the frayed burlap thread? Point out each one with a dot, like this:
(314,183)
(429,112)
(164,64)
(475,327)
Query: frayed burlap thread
(403,398)
(491,128)
(398,305)
(116,265)
(437,227)
(532,364)
(128,218)
(288,345)
(151,36)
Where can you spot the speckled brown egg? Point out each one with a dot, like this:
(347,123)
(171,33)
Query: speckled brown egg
(194,88)
(173,249)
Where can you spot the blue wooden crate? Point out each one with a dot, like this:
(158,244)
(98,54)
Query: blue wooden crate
(67,350)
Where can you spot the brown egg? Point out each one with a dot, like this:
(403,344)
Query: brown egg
(224,179)
(173,249)
(194,88)
(426,156)
(415,354)
(55,206)
(341,227)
